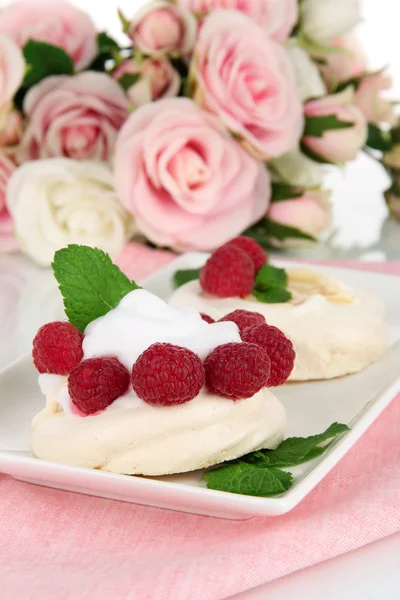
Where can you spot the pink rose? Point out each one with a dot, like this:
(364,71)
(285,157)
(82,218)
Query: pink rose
(248,81)
(156,79)
(138,261)
(375,107)
(276,17)
(8,242)
(12,69)
(188,183)
(310,213)
(342,66)
(77,117)
(336,145)
(12,130)
(53,21)
(160,27)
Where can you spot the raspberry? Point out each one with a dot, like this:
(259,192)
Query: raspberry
(237,370)
(254,250)
(57,348)
(96,382)
(165,375)
(207,318)
(278,347)
(228,272)
(244,318)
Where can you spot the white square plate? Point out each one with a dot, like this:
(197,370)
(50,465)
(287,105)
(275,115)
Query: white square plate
(356,400)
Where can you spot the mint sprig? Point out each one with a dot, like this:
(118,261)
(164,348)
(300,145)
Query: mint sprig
(91,285)
(258,473)
(270,285)
(185,275)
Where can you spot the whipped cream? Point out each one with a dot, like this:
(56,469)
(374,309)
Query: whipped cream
(133,437)
(140,320)
(335,331)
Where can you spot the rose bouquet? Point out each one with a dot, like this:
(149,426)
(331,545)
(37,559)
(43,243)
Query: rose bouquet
(214,117)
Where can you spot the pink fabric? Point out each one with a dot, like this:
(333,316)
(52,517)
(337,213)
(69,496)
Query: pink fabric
(62,545)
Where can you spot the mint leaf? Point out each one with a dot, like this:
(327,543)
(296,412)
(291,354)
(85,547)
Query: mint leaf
(44,60)
(316,126)
(129,79)
(248,479)
(378,139)
(270,276)
(274,295)
(89,282)
(185,275)
(296,450)
(283,232)
(257,473)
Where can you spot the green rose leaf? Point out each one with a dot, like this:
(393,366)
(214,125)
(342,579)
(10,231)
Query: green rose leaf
(284,191)
(129,79)
(45,60)
(283,232)
(378,139)
(316,126)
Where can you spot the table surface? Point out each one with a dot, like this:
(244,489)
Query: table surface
(29,298)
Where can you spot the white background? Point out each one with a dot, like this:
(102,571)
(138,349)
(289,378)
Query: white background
(373,572)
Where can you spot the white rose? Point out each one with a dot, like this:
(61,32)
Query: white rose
(322,20)
(60,201)
(295,168)
(308,78)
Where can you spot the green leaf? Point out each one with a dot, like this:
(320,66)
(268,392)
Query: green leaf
(89,282)
(284,191)
(257,473)
(316,126)
(129,79)
(125,22)
(282,232)
(185,275)
(274,295)
(248,479)
(105,43)
(269,276)
(296,450)
(313,155)
(45,60)
(378,139)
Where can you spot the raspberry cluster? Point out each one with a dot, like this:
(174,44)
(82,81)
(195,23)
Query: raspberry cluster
(231,270)
(166,374)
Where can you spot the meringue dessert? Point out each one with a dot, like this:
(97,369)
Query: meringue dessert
(138,390)
(335,330)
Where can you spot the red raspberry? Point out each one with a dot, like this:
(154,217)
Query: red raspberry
(207,318)
(96,382)
(228,272)
(165,375)
(252,248)
(57,348)
(278,347)
(244,318)
(237,370)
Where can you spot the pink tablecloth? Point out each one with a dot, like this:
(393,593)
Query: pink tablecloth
(62,545)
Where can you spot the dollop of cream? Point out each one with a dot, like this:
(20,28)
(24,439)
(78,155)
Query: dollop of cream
(335,330)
